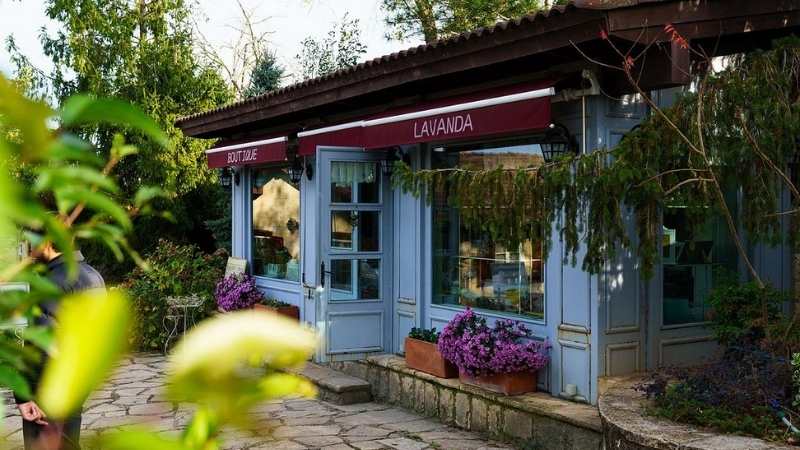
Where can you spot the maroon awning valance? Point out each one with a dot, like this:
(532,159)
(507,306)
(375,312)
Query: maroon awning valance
(498,112)
(248,153)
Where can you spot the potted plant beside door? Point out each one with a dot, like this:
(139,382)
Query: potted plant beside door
(423,354)
(503,359)
(278,307)
(237,291)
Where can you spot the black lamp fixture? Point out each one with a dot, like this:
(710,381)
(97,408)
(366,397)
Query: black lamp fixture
(309,170)
(295,170)
(558,142)
(225,177)
(387,164)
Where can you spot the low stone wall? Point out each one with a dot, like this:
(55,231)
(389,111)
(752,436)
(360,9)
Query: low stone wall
(537,421)
(627,426)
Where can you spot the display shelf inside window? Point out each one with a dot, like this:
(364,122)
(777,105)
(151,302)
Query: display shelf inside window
(276,225)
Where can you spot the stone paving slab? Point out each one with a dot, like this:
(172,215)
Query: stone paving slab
(134,396)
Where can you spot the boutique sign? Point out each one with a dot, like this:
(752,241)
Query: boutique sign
(505,118)
(255,152)
(443,127)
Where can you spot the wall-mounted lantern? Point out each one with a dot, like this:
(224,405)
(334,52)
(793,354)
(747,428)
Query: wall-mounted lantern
(558,142)
(296,170)
(387,164)
(225,177)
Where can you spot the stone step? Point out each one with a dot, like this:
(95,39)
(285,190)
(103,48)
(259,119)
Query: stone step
(336,387)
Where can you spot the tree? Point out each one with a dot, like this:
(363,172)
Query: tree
(266,75)
(339,49)
(247,62)
(143,52)
(436,19)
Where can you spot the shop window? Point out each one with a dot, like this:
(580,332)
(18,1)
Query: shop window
(276,225)
(471,269)
(693,263)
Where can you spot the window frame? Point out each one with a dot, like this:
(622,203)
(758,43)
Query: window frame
(428,217)
(249,235)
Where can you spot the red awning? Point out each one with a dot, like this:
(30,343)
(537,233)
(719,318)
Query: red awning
(510,110)
(248,153)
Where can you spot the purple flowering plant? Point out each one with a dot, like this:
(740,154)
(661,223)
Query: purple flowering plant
(478,350)
(237,291)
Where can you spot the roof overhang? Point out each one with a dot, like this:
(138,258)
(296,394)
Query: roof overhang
(548,38)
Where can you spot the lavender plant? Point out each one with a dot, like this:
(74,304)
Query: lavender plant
(478,350)
(237,291)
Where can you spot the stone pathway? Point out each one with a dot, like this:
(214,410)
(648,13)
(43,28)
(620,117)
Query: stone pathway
(133,396)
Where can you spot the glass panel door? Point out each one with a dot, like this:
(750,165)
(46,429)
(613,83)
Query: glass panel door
(355,223)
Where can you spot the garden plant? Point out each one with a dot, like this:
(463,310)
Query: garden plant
(72,199)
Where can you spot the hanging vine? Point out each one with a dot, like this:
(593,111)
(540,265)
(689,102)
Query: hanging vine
(736,128)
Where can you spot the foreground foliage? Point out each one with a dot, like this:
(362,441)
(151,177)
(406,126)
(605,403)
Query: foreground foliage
(222,368)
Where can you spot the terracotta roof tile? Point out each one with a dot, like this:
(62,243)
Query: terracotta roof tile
(407,53)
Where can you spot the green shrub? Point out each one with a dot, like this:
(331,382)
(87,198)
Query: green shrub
(423,334)
(175,270)
(738,312)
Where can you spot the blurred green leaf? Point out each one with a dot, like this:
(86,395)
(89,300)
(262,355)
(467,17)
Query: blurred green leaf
(14,380)
(146,194)
(94,200)
(201,429)
(90,338)
(82,109)
(71,148)
(42,337)
(53,177)
(60,236)
(139,440)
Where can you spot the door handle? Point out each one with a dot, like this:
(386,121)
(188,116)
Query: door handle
(322,274)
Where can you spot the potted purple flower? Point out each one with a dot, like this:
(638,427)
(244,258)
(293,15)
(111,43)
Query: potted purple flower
(237,291)
(502,359)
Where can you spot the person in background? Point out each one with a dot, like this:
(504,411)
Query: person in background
(40,433)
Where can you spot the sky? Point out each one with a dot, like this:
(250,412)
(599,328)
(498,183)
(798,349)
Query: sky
(289,21)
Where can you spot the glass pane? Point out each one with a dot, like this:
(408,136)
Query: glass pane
(276,225)
(369,190)
(693,263)
(342,279)
(365,285)
(347,176)
(342,223)
(367,223)
(369,231)
(470,269)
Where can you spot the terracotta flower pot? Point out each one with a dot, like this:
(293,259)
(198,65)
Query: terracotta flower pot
(291,311)
(425,357)
(504,383)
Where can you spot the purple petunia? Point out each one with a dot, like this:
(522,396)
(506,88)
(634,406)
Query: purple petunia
(479,350)
(237,291)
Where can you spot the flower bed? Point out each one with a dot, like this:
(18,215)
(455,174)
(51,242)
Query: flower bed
(481,353)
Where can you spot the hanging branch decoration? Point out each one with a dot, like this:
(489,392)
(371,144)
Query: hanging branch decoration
(736,129)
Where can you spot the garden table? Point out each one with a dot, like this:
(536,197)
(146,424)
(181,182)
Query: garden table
(180,311)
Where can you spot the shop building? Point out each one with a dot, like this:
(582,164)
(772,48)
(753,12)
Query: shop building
(318,220)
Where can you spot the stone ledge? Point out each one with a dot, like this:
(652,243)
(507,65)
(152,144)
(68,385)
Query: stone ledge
(535,419)
(539,403)
(626,426)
